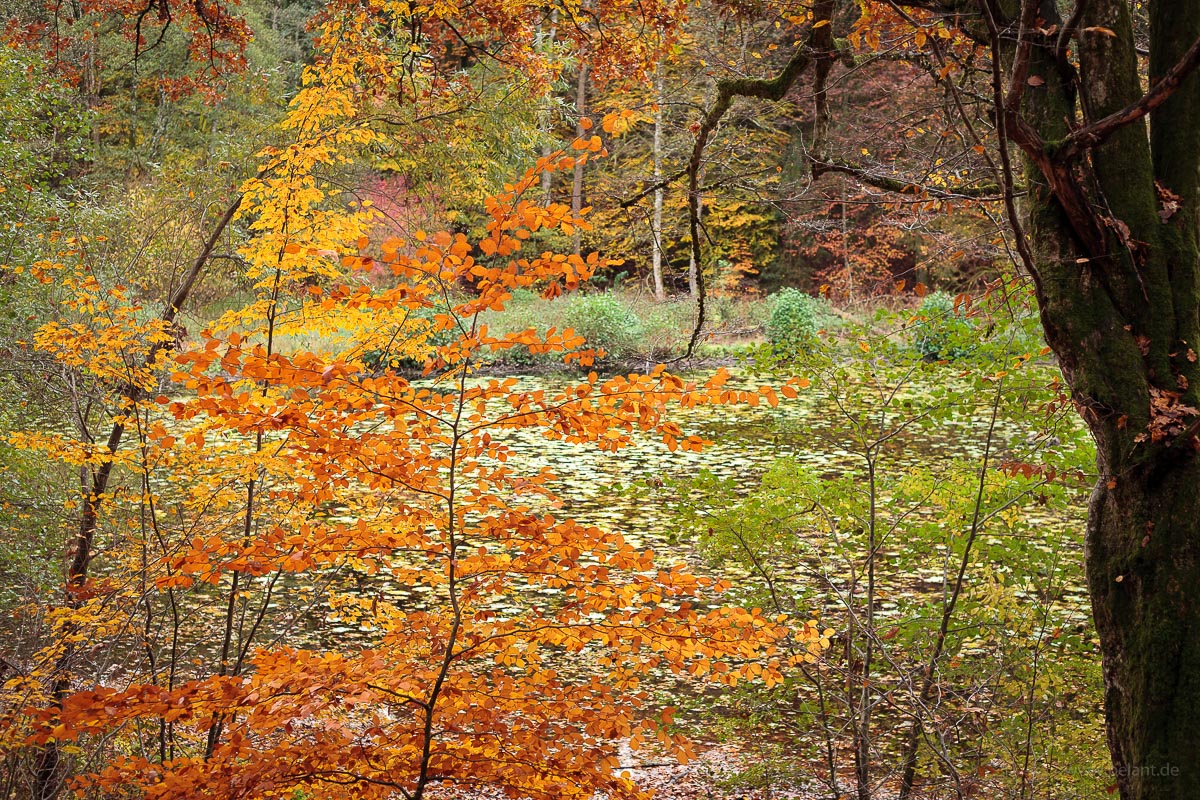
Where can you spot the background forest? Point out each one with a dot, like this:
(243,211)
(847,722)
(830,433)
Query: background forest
(336,459)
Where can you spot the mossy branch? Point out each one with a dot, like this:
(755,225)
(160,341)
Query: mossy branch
(1094,134)
(769,89)
(983,192)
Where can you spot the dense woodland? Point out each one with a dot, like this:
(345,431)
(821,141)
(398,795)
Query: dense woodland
(595,398)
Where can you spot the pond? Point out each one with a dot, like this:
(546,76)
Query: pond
(611,490)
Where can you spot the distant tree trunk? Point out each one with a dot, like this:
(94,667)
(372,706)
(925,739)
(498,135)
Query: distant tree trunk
(660,293)
(547,176)
(693,267)
(577,181)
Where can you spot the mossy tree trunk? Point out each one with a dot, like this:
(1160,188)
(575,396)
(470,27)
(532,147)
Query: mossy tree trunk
(1111,220)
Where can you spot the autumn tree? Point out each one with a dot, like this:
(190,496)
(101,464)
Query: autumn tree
(245,480)
(476,683)
(1111,228)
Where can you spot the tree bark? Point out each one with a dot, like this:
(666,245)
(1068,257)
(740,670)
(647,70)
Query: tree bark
(581,83)
(1121,313)
(545,122)
(693,262)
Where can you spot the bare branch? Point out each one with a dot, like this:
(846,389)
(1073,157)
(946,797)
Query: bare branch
(901,186)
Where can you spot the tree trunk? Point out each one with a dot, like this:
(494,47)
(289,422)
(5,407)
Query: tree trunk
(1108,232)
(1143,570)
(580,131)
(1117,279)
(693,267)
(545,121)
(660,293)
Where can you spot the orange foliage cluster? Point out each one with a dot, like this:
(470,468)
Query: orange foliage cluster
(444,36)
(216,37)
(525,659)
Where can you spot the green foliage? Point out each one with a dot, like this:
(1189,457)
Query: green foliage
(899,485)
(42,137)
(943,330)
(633,327)
(42,129)
(605,321)
(793,326)
(32,491)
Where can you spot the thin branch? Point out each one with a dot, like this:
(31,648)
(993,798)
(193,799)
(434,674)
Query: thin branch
(1003,118)
(1064,40)
(649,190)
(929,679)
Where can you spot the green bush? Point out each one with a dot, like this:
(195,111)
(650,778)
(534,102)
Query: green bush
(793,326)
(942,331)
(605,322)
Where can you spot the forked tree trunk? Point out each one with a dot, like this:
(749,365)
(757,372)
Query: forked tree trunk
(1118,282)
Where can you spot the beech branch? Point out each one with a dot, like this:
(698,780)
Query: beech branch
(78,570)
(1065,36)
(651,189)
(901,186)
(48,759)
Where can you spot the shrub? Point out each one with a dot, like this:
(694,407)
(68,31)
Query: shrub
(605,322)
(793,323)
(665,327)
(942,331)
